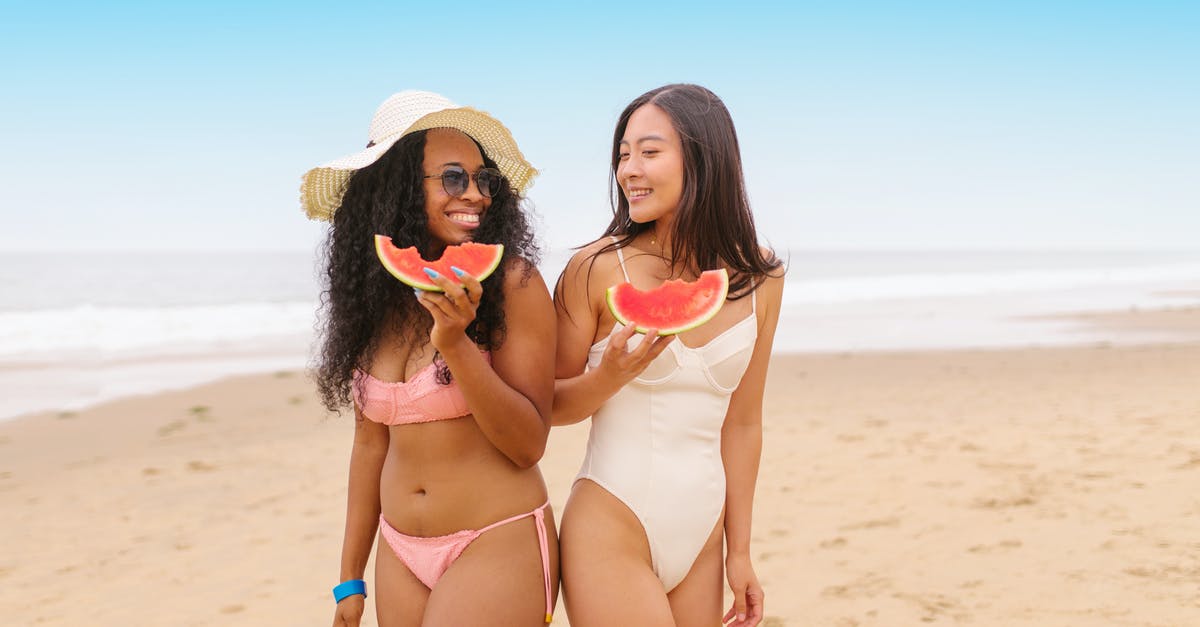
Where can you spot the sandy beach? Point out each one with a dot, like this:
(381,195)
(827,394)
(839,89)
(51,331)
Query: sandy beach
(1037,486)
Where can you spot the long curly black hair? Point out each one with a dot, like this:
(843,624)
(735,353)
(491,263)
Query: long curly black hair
(361,300)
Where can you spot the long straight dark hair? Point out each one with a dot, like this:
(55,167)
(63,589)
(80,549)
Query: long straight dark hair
(713,223)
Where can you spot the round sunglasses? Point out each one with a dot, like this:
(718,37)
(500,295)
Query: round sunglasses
(455,180)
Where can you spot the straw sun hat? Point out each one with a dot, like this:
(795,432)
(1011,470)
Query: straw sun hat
(403,113)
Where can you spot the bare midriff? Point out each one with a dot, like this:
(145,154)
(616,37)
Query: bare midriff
(445,476)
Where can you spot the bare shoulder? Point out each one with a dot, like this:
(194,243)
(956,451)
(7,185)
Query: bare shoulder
(520,272)
(770,253)
(771,290)
(591,266)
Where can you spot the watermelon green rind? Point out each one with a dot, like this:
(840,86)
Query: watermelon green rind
(478,260)
(619,296)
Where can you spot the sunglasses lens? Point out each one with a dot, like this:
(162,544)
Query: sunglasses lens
(454,181)
(488,181)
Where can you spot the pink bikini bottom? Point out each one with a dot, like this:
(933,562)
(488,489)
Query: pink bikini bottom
(428,558)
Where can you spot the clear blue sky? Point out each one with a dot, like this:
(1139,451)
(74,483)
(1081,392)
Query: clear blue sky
(863,125)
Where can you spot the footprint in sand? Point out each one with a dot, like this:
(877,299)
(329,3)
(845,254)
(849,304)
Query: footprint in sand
(1004,503)
(869,585)
(936,606)
(1023,495)
(171,427)
(233,609)
(151,471)
(833,543)
(199,466)
(872,524)
(1004,545)
(202,413)
(1192,463)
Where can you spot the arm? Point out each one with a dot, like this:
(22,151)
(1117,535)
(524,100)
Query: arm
(741,448)
(511,398)
(362,510)
(579,305)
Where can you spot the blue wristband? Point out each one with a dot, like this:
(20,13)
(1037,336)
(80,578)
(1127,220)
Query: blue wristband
(347,588)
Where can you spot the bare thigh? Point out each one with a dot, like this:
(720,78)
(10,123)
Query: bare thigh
(498,580)
(607,574)
(399,596)
(696,601)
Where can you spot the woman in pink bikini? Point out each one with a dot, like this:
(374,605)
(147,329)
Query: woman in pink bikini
(451,391)
(676,422)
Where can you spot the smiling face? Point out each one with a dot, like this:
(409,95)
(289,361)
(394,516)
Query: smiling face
(452,219)
(650,165)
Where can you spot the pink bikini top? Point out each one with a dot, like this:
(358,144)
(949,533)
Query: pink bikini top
(420,399)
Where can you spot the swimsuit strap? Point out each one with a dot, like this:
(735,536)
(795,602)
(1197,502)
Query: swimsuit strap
(620,259)
(754,301)
(539,522)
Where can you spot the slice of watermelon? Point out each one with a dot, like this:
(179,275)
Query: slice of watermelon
(406,264)
(673,307)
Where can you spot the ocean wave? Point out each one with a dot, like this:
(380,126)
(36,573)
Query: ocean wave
(103,329)
(922,285)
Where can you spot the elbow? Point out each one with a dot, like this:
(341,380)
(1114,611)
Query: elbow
(525,463)
(526,457)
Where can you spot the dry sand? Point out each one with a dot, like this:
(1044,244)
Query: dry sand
(1019,487)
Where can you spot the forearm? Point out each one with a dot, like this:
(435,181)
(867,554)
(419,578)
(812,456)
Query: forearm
(577,398)
(741,450)
(362,510)
(509,420)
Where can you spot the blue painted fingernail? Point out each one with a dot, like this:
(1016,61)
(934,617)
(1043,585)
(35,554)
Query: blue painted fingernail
(432,273)
(459,271)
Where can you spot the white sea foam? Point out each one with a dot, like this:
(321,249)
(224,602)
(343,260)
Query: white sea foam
(816,290)
(102,330)
(125,324)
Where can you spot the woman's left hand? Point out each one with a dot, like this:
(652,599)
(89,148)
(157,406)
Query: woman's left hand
(747,610)
(452,309)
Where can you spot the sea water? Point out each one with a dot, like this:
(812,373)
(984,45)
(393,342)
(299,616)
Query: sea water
(105,325)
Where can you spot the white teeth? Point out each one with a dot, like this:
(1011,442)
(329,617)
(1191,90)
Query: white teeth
(473,218)
(638,193)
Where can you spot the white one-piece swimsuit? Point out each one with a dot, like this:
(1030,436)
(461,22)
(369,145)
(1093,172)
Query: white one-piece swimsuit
(656,444)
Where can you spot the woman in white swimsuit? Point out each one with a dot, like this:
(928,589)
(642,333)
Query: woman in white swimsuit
(676,428)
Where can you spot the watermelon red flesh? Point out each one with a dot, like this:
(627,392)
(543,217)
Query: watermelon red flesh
(673,307)
(406,264)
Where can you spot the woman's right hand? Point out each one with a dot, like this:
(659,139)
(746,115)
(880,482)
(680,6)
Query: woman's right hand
(621,365)
(349,611)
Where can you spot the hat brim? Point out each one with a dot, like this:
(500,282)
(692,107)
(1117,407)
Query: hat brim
(322,187)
